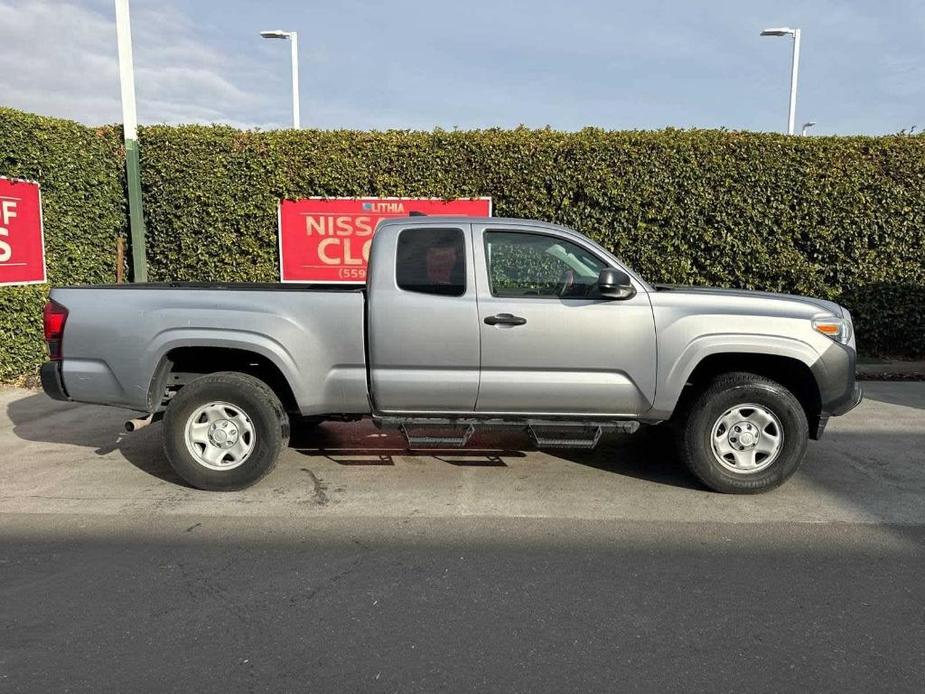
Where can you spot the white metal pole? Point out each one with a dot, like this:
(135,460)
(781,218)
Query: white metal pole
(294,38)
(126,70)
(794,70)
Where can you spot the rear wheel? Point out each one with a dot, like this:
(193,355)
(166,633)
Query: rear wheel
(224,431)
(743,434)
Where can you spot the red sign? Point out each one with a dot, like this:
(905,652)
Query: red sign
(327,240)
(22,246)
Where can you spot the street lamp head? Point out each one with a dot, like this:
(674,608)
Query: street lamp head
(275,34)
(779,31)
(809,124)
(794,68)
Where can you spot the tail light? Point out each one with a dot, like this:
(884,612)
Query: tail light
(55,316)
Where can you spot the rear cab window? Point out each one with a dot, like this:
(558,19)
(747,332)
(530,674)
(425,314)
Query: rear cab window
(431,261)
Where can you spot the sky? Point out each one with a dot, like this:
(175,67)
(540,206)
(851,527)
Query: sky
(414,64)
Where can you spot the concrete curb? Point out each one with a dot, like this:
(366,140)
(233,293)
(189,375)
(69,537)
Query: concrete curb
(891,371)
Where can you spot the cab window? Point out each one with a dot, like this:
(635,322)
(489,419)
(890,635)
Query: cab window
(538,265)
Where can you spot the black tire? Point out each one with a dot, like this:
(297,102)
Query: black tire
(696,426)
(263,410)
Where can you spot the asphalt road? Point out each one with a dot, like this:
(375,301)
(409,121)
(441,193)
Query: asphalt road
(358,566)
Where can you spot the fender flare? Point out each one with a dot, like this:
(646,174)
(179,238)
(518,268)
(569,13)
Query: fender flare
(698,349)
(158,349)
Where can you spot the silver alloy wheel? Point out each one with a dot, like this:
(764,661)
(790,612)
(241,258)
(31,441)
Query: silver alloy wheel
(747,438)
(220,436)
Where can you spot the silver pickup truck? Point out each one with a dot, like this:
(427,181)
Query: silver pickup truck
(464,324)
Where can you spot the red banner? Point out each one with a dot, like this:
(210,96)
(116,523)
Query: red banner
(22,246)
(327,240)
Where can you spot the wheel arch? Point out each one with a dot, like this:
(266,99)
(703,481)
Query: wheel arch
(792,373)
(180,364)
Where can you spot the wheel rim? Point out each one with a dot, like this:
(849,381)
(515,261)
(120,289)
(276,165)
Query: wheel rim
(220,436)
(747,438)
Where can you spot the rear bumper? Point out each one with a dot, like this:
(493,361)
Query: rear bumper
(52,383)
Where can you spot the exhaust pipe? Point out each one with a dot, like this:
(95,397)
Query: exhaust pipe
(141,422)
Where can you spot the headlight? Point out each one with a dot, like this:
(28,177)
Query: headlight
(839,329)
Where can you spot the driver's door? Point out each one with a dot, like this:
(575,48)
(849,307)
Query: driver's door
(550,344)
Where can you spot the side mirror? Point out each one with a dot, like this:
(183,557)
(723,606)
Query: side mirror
(615,284)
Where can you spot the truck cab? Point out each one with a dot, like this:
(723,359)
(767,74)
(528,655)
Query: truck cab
(501,317)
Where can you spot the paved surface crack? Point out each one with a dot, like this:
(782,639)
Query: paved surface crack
(319,490)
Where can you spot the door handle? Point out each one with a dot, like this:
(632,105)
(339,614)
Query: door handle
(505,319)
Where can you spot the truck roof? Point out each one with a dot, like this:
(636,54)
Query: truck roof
(436,220)
(458,219)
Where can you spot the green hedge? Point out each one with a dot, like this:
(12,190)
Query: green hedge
(84,211)
(837,217)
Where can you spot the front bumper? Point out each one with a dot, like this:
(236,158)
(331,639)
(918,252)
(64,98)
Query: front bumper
(52,383)
(836,378)
(839,391)
(857,394)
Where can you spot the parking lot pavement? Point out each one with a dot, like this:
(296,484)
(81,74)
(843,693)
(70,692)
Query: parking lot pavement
(68,458)
(359,566)
(172,604)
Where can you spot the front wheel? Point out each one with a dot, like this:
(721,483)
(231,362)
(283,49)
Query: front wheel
(744,434)
(224,431)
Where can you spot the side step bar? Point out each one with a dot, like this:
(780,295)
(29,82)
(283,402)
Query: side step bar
(445,432)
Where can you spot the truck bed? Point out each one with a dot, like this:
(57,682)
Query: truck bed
(117,336)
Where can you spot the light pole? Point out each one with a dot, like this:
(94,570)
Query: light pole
(806,126)
(293,37)
(130,133)
(794,69)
